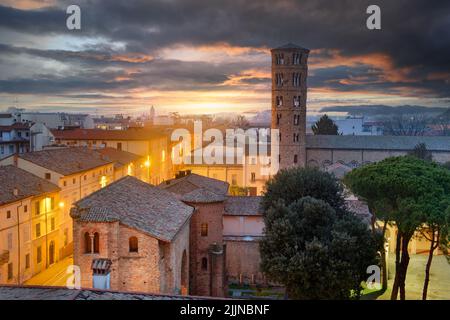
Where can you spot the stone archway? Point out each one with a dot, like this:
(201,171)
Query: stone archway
(184,274)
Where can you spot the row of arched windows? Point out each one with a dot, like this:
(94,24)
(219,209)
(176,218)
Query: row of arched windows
(92,243)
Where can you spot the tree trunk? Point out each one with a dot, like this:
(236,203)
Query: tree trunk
(433,246)
(404,265)
(383,261)
(394,292)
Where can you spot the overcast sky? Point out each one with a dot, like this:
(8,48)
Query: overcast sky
(210,56)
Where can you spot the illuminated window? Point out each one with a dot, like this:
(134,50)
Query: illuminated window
(204,264)
(204,229)
(103,181)
(163,155)
(133,244)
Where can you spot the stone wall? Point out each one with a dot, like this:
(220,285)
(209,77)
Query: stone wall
(243,262)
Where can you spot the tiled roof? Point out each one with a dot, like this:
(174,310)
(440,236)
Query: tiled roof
(243,206)
(376,142)
(66,161)
(15,126)
(8,292)
(135,204)
(201,195)
(119,157)
(99,134)
(27,184)
(197,188)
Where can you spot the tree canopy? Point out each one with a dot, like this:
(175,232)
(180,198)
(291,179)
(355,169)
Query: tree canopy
(420,151)
(408,192)
(325,126)
(295,183)
(312,244)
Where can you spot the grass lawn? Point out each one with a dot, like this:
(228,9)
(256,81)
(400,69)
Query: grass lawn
(438,289)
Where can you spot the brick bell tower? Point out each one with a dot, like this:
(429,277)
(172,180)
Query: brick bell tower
(289,73)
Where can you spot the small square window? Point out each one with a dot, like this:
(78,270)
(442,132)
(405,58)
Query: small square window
(48,176)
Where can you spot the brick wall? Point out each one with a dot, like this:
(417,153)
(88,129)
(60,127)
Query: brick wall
(157,266)
(243,262)
(200,278)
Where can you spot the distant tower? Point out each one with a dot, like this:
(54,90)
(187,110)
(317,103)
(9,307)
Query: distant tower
(152,114)
(289,73)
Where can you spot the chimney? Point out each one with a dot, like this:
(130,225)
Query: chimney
(16,191)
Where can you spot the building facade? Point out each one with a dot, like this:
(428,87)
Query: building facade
(14,138)
(207,249)
(149,143)
(29,219)
(131,236)
(78,172)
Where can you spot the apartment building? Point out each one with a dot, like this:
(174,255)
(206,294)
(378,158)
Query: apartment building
(14,138)
(149,143)
(126,163)
(29,216)
(78,172)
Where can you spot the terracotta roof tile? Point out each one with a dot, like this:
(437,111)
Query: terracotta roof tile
(243,206)
(119,157)
(197,188)
(66,161)
(10,292)
(26,183)
(135,204)
(98,134)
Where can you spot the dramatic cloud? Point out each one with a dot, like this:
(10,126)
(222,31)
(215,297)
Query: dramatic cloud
(203,55)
